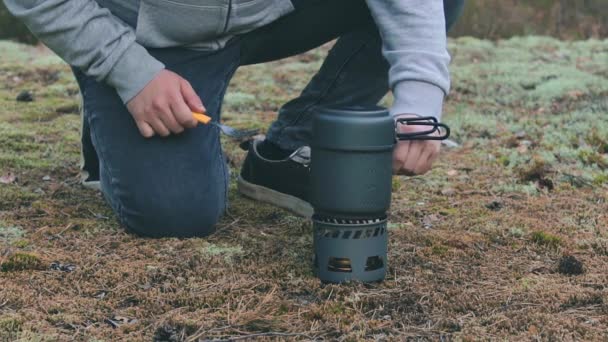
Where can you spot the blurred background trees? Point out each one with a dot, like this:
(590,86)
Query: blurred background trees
(11,28)
(567,19)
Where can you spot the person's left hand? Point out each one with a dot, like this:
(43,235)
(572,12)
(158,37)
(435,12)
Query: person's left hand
(414,157)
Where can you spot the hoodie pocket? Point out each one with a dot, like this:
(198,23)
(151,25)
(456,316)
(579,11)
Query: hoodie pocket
(170,23)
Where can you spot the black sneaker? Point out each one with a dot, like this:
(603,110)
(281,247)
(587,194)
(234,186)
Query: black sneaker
(276,176)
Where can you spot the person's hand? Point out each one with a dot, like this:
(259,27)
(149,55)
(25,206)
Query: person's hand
(417,156)
(165,106)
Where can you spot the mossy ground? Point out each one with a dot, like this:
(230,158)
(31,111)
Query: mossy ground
(475,245)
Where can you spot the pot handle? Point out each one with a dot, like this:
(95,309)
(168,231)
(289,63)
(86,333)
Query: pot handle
(430,121)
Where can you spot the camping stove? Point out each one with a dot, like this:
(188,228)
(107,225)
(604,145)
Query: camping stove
(351,179)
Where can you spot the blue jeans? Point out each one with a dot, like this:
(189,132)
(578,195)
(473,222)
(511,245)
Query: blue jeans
(177,186)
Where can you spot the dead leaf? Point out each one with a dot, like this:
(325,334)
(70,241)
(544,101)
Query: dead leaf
(522,149)
(8,178)
(575,94)
(429,220)
(452,173)
(54,187)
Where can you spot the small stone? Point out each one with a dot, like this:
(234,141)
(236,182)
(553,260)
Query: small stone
(46,178)
(117,321)
(452,173)
(101,294)
(8,178)
(448,191)
(570,265)
(528,85)
(592,321)
(25,96)
(57,266)
(522,148)
(494,205)
(520,134)
(428,221)
(450,143)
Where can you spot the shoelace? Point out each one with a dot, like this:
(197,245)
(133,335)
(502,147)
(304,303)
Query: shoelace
(300,155)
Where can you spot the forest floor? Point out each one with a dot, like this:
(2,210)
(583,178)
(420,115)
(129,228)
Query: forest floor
(507,238)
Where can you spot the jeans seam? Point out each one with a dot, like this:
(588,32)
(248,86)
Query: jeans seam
(223,165)
(118,202)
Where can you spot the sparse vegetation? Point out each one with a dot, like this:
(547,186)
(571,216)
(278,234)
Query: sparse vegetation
(20,262)
(10,326)
(546,239)
(475,245)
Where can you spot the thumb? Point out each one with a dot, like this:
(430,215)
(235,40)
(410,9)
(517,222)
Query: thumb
(191,98)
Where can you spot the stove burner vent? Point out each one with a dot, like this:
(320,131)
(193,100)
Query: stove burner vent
(348,248)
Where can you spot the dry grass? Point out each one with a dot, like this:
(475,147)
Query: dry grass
(475,246)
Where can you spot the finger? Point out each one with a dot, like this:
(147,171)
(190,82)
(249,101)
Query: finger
(400,155)
(183,114)
(159,127)
(430,154)
(424,164)
(433,155)
(413,156)
(171,123)
(191,98)
(145,129)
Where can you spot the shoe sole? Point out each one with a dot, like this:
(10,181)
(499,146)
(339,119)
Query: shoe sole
(278,199)
(95,185)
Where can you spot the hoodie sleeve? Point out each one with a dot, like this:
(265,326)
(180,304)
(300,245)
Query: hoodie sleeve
(90,38)
(415,45)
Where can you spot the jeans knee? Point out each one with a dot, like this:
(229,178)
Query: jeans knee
(169,216)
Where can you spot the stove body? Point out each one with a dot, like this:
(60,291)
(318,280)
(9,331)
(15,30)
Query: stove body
(351,177)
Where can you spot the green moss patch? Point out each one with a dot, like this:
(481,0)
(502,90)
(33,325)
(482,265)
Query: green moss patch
(21,262)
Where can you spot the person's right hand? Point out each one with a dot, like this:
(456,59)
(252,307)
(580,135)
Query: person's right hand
(165,105)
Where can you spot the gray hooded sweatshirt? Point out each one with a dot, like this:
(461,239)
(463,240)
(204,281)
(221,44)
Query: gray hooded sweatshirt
(91,38)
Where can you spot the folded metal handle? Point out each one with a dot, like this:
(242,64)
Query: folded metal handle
(430,121)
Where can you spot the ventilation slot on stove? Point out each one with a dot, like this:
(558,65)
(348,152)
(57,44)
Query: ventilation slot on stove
(339,265)
(374,263)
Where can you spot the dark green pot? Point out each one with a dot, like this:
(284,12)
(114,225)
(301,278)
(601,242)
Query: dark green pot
(351,162)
